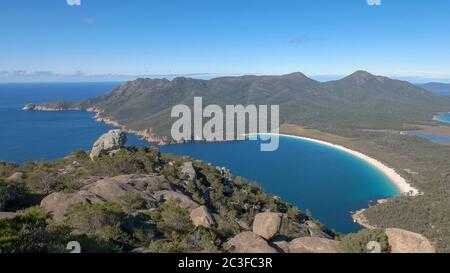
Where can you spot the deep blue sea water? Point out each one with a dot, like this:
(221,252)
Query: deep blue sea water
(30,135)
(327,182)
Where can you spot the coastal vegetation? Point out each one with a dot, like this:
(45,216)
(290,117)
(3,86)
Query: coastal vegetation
(139,200)
(129,221)
(362,112)
(359,242)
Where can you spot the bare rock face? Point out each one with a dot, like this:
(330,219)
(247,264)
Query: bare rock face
(112,189)
(141,250)
(57,203)
(249,242)
(108,143)
(403,241)
(201,217)
(15,177)
(185,201)
(282,246)
(188,172)
(8,215)
(116,188)
(267,224)
(313,245)
(315,230)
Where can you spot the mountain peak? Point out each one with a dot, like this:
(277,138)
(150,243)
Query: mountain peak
(297,76)
(362,74)
(362,77)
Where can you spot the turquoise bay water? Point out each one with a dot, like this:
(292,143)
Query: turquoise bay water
(326,181)
(445,117)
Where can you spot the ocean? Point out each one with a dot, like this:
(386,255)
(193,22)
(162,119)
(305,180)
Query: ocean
(445,117)
(327,182)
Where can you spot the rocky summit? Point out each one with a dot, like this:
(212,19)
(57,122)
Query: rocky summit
(108,143)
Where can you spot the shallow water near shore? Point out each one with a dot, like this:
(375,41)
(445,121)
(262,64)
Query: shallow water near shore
(327,182)
(445,117)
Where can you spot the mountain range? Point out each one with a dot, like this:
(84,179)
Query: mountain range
(358,101)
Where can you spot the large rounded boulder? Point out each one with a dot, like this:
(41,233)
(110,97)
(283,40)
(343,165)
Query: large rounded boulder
(403,241)
(57,203)
(249,242)
(108,143)
(201,217)
(267,224)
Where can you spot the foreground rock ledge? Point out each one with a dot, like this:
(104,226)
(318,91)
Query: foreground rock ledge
(313,245)
(249,242)
(403,241)
(267,224)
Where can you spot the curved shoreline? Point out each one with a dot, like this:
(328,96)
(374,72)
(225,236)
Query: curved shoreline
(399,182)
(439,119)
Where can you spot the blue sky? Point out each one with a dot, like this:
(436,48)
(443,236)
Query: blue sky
(402,38)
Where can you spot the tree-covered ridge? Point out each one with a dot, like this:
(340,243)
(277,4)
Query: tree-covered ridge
(359,101)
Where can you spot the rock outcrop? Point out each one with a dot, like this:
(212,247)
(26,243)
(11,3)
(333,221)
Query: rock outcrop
(249,242)
(282,246)
(201,217)
(116,188)
(313,245)
(142,250)
(108,143)
(267,224)
(8,215)
(403,241)
(113,189)
(15,177)
(188,172)
(57,203)
(315,230)
(29,107)
(184,200)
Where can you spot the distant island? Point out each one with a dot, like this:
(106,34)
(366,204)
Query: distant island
(361,112)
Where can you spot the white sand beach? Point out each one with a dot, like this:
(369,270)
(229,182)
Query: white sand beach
(402,185)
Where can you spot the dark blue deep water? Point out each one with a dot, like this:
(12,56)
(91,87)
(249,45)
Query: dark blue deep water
(30,135)
(327,182)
